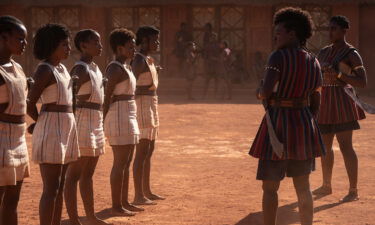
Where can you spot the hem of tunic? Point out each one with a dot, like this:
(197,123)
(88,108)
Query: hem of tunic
(55,162)
(275,158)
(149,133)
(10,175)
(124,140)
(91,152)
(339,127)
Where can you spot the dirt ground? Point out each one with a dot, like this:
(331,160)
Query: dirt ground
(201,165)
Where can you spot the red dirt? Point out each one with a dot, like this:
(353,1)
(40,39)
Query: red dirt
(201,165)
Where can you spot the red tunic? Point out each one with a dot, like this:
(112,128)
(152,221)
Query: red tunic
(336,106)
(295,127)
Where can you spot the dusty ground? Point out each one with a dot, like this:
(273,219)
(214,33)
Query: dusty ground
(201,165)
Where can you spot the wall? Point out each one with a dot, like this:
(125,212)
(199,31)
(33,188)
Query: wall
(367,44)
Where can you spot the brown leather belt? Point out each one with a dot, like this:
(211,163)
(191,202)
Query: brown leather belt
(8,118)
(144,90)
(89,105)
(57,108)
(117,98)
(289,102)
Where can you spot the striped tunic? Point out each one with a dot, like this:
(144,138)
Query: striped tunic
(89,121)
(148,115)
(336,106)
(14,159)
(295,127)
(55,136)
(120,125)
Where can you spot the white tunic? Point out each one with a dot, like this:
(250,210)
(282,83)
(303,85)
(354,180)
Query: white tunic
(14,159)
(148,115)
(120,125)
(55,135)
(89,121)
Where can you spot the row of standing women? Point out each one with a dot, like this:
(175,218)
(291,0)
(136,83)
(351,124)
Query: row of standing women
(68,134)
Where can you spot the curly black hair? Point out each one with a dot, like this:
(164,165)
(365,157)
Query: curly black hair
(48,38)
(146,32)
(9,23)
(84,36)
(297,20)
(342,21)
(119,37)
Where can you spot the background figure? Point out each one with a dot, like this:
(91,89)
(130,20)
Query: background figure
(258,67)
(211,55)
(189,67)
(224,69)
(183,36)
(239,72)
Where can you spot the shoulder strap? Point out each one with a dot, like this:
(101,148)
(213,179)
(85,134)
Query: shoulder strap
(341,55)
(2,74)
(117,63)
(47,64)
(140,54)
(80,63)
(122,67)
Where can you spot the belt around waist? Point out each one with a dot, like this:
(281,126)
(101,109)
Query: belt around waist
(332,85)
(117,98)
(329,81)
(56,108)
(89,105)
(8,118)
(143,91)
(289,103)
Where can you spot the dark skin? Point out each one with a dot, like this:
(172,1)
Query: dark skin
(224,58)
(11,43)
(358,78)
(53,175)
(122,154)
(9,197)
(145,148)
(44,77)
(189,59)
(285,39)
(83,169)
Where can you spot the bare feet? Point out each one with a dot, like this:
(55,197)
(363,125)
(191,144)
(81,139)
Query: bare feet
(323,190)
(154,197)
(350,197)
(143,201)
(96,221)
(132,207)
(122,212)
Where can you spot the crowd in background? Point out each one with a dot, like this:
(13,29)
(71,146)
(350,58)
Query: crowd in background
(221,64)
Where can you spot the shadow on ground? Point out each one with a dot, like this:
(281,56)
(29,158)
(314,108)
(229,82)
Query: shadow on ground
(286,215)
